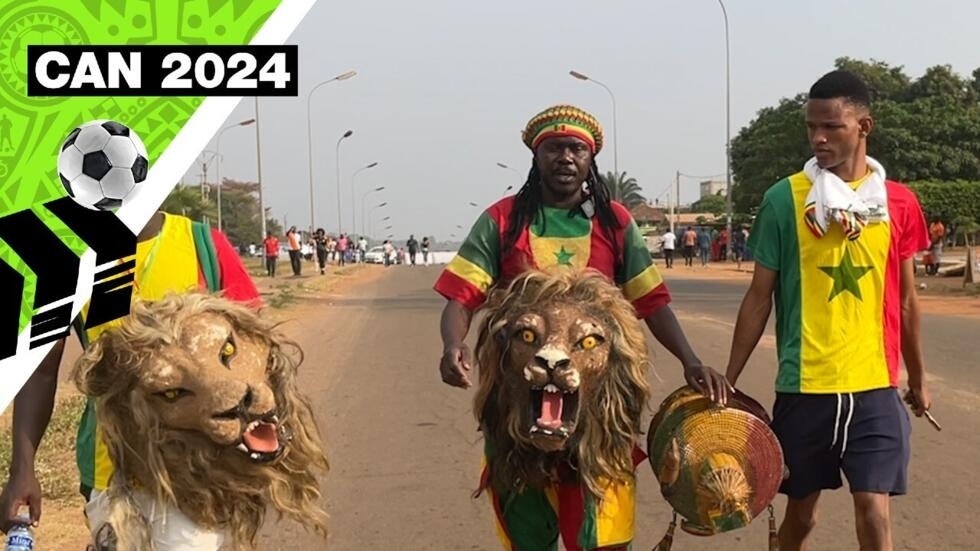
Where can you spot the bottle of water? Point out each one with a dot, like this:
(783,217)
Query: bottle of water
(20,537)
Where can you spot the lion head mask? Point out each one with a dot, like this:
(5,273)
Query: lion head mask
(562,359)
(197,401)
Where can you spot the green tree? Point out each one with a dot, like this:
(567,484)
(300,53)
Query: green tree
(926,129)
(187,201)
(624,189)
(715,204)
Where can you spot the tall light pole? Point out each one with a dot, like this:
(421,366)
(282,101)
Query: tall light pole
(309,133)
(580,76)
(353,200)
(371,215)
(385,219)
(728,129)
(363,204)
(340,222)
(218,167)
(258,161)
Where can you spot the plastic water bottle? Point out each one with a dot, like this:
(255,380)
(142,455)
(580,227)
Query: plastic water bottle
(20,537)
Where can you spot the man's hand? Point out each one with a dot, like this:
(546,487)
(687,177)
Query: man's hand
(22,489)
(709,382)
(455,364)
(919,399)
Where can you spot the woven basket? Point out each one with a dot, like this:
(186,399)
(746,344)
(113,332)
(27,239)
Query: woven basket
(719,467)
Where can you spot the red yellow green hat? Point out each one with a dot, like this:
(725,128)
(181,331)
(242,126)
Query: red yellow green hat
(563,120)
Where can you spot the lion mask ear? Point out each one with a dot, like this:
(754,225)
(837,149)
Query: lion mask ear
(96,369)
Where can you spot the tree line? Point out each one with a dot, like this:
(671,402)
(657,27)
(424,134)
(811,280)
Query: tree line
(927,135)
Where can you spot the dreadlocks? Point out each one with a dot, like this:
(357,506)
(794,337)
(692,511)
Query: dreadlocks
(528,202)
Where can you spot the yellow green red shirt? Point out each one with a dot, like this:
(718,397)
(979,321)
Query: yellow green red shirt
(838,302)
(556,237)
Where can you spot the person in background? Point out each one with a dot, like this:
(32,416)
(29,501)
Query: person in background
(669,242)
(425,251)
(320,240)
(295,250)
(413,248)
(271,245)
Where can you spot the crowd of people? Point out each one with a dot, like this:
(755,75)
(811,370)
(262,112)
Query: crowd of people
(324,249)
(708,244)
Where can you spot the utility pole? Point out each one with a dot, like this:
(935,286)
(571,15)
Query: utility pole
(677,195)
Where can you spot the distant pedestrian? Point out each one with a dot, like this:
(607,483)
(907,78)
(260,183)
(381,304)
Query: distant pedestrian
(413,248)
(320,238)
(295,251)
(271,245)
(425,251)
(669,242)
(690,240)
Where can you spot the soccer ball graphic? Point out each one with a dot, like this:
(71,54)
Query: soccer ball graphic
(101,163)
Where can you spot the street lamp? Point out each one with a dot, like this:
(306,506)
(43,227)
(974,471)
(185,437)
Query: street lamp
(371,214)
(728,128)
(258,161)
(353,201)
(580,76)
(364,203)
(340,222)
(218,168)
(385,219)
(309,133)
(514,170)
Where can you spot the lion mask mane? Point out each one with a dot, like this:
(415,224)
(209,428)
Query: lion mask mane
(561,361)
(197,401)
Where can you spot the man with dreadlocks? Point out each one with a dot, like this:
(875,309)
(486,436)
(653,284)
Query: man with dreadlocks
(563,215)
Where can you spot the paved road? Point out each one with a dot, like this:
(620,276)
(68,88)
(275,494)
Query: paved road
(405,451)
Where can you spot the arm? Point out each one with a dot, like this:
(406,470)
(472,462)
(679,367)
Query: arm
(665,327)
(454,365)
(911,343)
(752,318)
(32,413)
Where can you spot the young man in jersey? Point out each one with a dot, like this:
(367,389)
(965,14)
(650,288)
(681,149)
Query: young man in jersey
(562,216)
(834,246)
(172,254)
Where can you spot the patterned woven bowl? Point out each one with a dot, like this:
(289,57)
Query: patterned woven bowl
(718,467)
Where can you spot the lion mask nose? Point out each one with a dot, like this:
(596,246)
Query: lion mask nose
(552,358)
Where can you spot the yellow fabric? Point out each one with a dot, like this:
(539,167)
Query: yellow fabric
(642,283)
(165,263)
(616,515)
(842,346)
(572,252)
(470,272)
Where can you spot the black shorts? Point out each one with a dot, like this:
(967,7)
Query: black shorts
(863,434)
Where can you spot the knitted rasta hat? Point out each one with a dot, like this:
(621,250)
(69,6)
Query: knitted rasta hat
(563,120)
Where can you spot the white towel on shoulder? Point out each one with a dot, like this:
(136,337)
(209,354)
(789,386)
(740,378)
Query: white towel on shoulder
(832,200)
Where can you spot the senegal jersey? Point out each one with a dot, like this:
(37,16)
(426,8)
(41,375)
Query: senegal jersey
(556,237)
(838,307)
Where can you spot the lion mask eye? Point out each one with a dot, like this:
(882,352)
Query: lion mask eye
(590,342)
(173,394)
(228,351)
(528,336)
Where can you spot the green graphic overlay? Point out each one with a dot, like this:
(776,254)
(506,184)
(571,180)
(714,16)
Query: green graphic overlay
(32,129)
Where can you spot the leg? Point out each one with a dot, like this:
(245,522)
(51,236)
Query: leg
(872,518)
(798,523)
(805,426)
(876,462)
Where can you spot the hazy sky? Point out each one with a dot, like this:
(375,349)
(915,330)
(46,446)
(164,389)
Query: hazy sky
(444,88)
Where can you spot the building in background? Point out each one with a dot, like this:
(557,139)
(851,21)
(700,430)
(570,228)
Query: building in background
(713,187)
